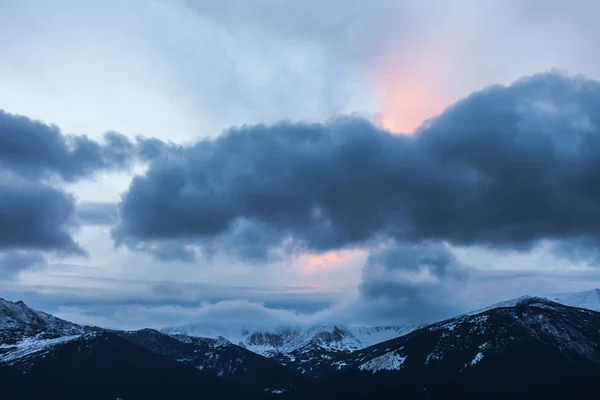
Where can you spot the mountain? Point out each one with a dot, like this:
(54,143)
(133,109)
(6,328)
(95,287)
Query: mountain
(316,356)
(309,350)
(34,345)
(286,339)
(25,332)
(20,323)
(530,348)
(102,365)
(589,299)
(220,358)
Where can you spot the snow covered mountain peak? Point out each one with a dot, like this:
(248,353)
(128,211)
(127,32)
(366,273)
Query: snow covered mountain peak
(287,339)
(524,300)
(509,303)
(588,299)
(18,321)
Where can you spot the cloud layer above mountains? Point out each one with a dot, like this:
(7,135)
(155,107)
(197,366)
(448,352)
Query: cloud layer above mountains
(506,168)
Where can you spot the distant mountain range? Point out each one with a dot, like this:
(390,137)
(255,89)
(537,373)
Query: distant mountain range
(309,350)
(268,341)
(528,347)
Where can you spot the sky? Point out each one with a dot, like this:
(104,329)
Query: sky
(278,162)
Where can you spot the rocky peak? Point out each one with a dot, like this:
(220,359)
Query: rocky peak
(17,322)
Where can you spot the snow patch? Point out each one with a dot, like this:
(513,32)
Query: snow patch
(434,356)
(389,361)
(450,326)
(30,346)
(589,299)
(274,391)
(339,364)
(478,357)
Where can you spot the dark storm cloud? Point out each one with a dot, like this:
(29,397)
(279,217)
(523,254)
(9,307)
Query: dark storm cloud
(151,149)
(262,184)
(34,149)
(415,283)
(36,216)
(435,258)
(505,167)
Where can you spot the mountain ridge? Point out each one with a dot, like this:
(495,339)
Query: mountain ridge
(284,339)
(533,348)
(459,356)
(18,321)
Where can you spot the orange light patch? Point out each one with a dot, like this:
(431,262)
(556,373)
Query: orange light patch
(317,263)
(405,101)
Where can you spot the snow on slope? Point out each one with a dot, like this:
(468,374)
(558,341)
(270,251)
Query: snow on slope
(369,336)
(286,339)
(24,331)
(589,299)
(388,361)
(18,321)
(29,346)
(257,338)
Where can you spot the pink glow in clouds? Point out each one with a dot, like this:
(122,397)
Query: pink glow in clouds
(332,270)
(312,264)
(406,100)
(416,74)
(406,104)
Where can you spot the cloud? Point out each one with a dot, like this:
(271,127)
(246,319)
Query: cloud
(505,167)
(413,294)
(232,313)
(36,214)
(35,149)
(322,60)
(13,262)
(401,283)
(411,283)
